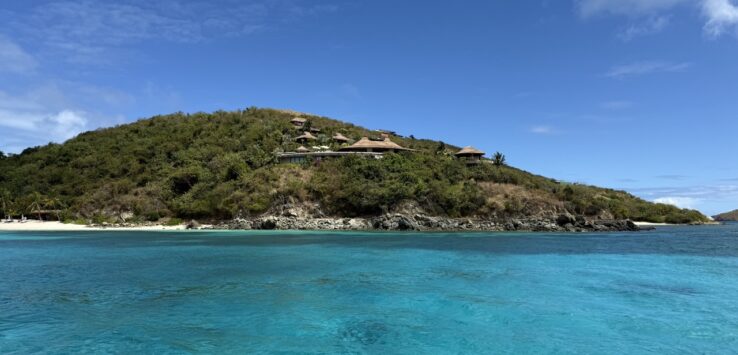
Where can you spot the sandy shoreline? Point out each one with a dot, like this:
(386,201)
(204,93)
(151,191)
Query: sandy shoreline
(33,225)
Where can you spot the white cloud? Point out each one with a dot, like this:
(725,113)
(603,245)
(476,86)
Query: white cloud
(14,59)
(722,15)
(650,26)
(711,199)
(679,201)
(55,127)
(642,68)
(67,124)
(44,114)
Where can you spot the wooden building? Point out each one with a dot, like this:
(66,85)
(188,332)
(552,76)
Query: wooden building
(340,138)
(305,137)
(298,121)
(470,154)
(370,146)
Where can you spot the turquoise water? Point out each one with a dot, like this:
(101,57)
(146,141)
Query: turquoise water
(674,290)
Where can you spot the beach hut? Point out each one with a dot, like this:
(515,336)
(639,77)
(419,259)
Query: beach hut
(367,145)
(305,137)
(470,154)
(298,121)
(340,138)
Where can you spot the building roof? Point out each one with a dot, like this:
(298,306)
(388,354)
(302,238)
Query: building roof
(298,120)
(469,151)
(365,143)
(340,137)
(302,149)
(306,135)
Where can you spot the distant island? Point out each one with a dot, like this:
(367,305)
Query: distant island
(278,169)
(727,217)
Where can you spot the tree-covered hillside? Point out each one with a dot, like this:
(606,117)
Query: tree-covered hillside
(222,165)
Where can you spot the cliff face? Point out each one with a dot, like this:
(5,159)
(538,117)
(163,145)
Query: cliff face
(727,217)
(222,166)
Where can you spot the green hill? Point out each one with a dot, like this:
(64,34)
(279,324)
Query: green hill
(222,165)
(727,217)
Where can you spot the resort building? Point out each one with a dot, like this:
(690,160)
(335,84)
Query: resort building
(302,157)
(305,137)
(340,138)
(370,146)
(298,121)
(302,149)
(470,154)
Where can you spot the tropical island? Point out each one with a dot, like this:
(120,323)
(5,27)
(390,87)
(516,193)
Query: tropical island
(727,217)
(277,169)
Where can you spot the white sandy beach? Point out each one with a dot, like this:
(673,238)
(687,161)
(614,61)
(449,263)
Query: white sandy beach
(33,225)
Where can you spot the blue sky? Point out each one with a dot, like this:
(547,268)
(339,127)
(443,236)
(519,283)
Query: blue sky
(640,95)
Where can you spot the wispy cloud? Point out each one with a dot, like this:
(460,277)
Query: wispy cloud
(589,8)
(650,26)
(643,68)
(86,30)
(14,59)
(616,105)
(672,177)
(627,180)
(543,130)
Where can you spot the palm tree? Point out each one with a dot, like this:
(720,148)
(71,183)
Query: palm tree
(37,203)
(498,159)
(55,204)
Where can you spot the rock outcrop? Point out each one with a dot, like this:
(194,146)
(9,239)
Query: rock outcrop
(421,222)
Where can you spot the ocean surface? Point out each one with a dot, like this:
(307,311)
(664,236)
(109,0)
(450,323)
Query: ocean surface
(669,291)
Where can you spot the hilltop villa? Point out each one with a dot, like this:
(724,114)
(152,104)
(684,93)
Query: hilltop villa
(363,147)
(366,145)
(305,137)
(298,121)
(470,154)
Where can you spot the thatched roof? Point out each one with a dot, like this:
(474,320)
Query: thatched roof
(469,151)
(364,144)
(302,149)
(298,120)
(306,136)
(340,137)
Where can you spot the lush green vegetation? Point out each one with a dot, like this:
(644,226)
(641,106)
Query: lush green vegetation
(222,165)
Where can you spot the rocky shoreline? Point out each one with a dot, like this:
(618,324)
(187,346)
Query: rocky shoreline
(404,222)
